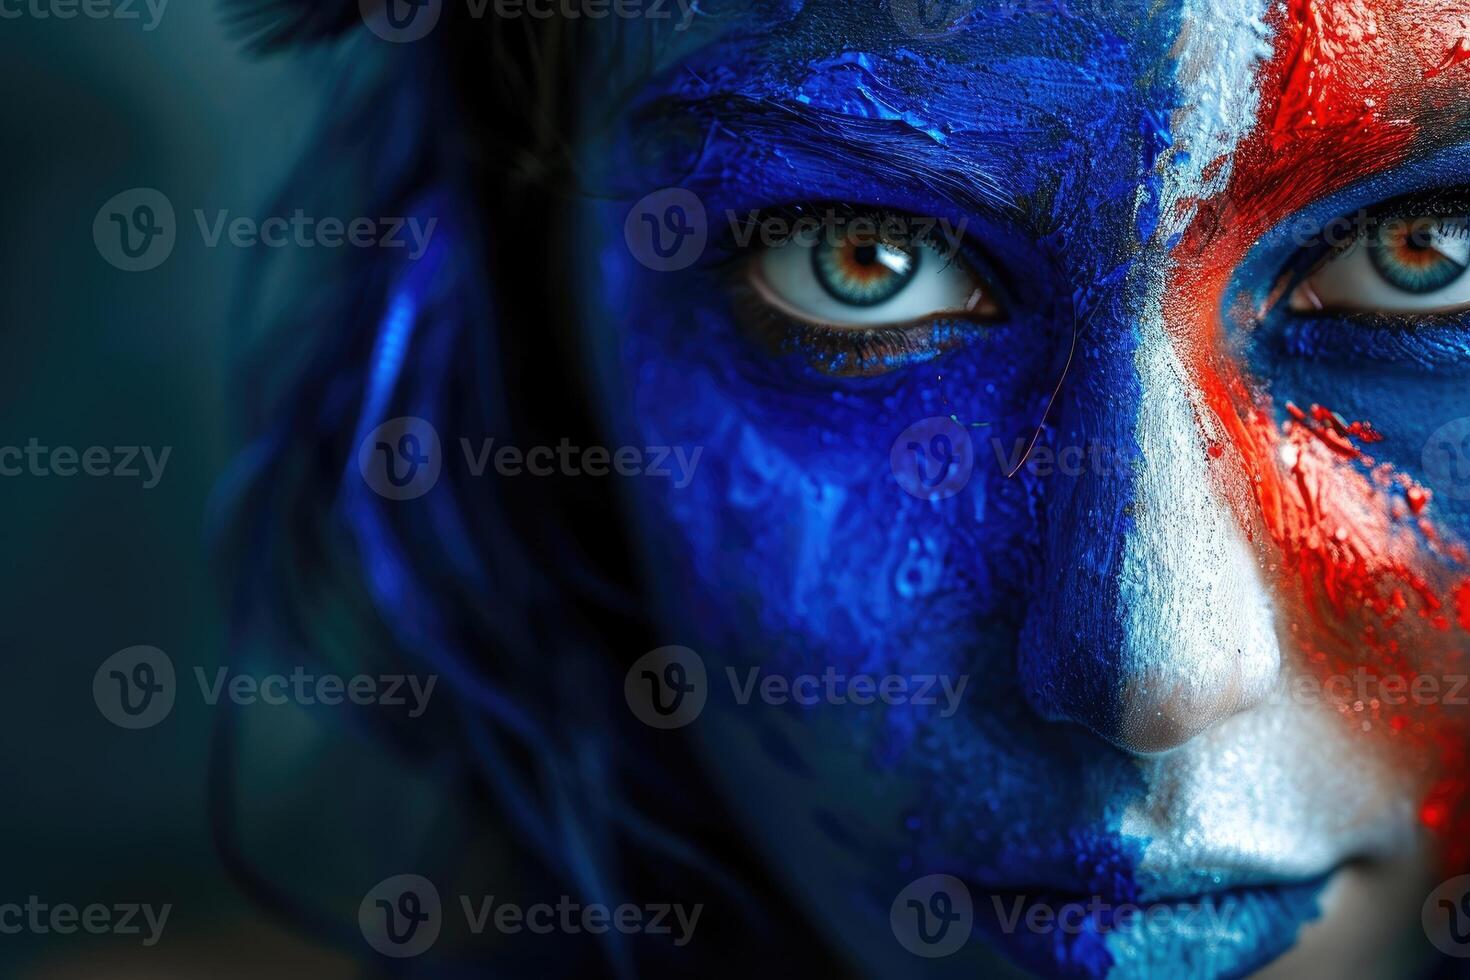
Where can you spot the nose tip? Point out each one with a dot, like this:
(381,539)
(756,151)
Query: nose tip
(1159,720)
(1172,630)
(1196,640)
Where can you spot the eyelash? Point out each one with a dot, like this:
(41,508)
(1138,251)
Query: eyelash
(1431,339)
(833,351)
(847,353)
(1436,341)
(1446,202)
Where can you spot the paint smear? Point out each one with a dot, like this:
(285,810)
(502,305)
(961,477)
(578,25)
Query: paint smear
(1374,585)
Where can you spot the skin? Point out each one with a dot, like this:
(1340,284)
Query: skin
(1128,630)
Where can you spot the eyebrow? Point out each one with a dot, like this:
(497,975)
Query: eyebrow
(892,149)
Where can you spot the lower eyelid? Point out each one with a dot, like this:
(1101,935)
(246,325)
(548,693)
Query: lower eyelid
(1438,342)
(981,305)
(845,352)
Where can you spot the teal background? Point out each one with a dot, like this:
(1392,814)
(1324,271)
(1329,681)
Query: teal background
(97,356)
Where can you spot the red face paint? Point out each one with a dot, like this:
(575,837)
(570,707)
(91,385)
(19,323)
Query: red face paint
(1458,53)
(1367,581)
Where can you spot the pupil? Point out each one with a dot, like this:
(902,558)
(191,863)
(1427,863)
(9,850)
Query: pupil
(864,272)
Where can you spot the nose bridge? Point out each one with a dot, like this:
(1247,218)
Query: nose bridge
(1152,622)
(1200,638)
(1158,625)
(1069,656)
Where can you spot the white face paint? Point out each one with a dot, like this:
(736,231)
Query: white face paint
(1246,785)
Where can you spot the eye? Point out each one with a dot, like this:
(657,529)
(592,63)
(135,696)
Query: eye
(862,274)
(1412,265)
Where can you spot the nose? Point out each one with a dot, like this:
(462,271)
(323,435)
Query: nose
(1159,625)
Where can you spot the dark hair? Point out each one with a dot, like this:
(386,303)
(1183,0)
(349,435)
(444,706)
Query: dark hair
(518,595)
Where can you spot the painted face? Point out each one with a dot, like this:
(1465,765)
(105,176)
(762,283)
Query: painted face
(1094,377)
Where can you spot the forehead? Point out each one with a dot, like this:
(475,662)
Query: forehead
(1019,98)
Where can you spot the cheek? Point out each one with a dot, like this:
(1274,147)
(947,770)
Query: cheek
(1365,570)
(796,527)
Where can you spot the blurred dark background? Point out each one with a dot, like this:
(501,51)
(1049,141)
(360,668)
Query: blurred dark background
(96,356)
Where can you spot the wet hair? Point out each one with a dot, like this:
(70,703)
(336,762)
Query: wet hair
(520,596)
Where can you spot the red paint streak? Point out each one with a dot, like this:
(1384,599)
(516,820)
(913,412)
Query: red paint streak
(1458,54)
(1321,41)
(1462,605)
(1362,569)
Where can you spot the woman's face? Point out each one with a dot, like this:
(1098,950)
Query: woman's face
(1077,504)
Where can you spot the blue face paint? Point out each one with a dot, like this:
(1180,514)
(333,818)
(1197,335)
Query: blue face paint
(796,549)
